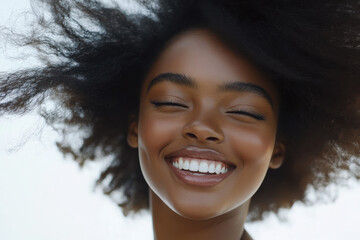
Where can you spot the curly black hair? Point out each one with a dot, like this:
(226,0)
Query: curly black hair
(98,54)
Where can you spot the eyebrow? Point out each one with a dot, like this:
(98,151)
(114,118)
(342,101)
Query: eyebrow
(180,79)
(247,87)
(187,81)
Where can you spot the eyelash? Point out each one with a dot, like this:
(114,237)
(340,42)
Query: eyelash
(253,115)
(160,104)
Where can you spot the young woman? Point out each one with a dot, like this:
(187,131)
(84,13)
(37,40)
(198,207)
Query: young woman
(211,109)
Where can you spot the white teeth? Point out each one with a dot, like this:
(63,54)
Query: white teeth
(194,166)
(199,165)
(203,167)
(176,164)
(218,168)
(186,165)
(212,168)
(181,163)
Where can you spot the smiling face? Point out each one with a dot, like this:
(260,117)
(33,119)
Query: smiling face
(204,105)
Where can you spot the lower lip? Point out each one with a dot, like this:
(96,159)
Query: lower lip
(206,180)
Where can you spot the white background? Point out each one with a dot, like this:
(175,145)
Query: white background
(44,196)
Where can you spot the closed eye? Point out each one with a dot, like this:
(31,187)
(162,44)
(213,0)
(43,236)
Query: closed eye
(253,115)
(159,104)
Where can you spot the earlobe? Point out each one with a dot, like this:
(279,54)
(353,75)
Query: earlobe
(278,155)
(132,135)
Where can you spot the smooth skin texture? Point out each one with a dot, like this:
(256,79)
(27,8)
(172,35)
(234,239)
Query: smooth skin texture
(238,123)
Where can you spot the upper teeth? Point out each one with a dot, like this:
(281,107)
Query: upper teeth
(200,165)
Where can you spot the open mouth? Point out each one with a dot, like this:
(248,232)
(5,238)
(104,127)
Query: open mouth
(199,172)
(200,166)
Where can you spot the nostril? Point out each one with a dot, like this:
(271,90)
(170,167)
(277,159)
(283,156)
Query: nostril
(213,139)
(191,135)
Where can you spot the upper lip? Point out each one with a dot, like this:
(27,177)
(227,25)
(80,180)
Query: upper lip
(199,153)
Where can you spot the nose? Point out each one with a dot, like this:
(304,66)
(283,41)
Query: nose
(203,130)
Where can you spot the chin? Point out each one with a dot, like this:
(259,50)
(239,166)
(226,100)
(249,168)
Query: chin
(198,215)
(197,210)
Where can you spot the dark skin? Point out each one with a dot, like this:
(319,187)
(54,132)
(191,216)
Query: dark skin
(223,104)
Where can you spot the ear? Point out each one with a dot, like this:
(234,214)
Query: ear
(132,135)
(278,155)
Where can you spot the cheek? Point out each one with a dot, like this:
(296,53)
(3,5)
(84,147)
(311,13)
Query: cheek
(253,149)
(253,146)
(155,133)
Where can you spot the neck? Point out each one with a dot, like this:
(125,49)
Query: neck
(169,225)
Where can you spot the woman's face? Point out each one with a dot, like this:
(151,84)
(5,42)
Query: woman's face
(206,128)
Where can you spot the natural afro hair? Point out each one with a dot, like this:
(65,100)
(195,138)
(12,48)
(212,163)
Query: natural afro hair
(97,55)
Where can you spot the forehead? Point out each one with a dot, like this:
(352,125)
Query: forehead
(200,54)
